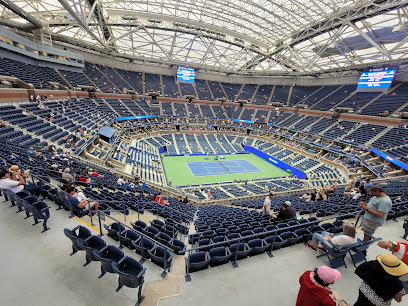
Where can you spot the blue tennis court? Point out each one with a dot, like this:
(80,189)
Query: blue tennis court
(221,167)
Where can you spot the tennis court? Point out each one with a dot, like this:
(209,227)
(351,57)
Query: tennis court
(221,167)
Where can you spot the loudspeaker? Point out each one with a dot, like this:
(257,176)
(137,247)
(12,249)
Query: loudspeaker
(154,97)
(190,100)
(241,104)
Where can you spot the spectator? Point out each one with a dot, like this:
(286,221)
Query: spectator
(94,173)
(376,211)
(267,204)
(83,178)
(314,288)
(84,203)
(120,181)
(67,176)
(368,185)
(15,169)
(15,182)
(380,283)
(400,250)
(285,213)
(348,236)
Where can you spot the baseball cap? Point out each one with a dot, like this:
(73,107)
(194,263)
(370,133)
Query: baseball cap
(328,275)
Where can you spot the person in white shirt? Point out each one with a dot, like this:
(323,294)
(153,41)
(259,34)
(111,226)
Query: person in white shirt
(267,204)
(120,181)
(340,240)
(7,183)
(15,182)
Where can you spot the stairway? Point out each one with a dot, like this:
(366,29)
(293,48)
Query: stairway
(379,96)
(205,136)
(331,93)
(64,78)
(378,136)
(130,111)
(108,78)
(351,131)
(254,95)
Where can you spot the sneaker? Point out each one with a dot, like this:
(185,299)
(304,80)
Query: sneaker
(310,246)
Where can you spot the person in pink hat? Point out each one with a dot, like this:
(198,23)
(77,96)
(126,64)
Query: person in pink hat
(314,288)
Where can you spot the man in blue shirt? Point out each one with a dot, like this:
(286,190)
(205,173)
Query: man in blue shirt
(376,211)
(368,185)
(85,204)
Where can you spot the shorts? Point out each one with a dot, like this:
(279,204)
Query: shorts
(87,207)
(369,227)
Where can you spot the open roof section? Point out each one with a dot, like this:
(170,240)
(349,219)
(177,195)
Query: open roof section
(258,36)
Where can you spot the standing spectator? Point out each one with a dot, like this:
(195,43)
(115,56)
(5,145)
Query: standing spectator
(377,210)
(368,185)
(380,283)
(314,288)
(267,204)
(399,249)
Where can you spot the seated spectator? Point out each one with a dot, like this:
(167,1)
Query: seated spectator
(16,183)
(83,178)
(285,213)
(355,193)
(331,189)
(348,236)
(67,176)
(94,173)
(129,185)
(312,197)
(348,188)
(53,166)
(14,169)
(322,195)
(37,153)
(159,199)
(120,181)
(84,203)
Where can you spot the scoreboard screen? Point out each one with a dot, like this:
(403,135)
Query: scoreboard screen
(376,79)
(185,74)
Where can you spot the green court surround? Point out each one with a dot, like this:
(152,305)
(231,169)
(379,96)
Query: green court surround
(178,173)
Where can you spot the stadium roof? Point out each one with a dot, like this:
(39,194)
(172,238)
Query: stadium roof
(244,36)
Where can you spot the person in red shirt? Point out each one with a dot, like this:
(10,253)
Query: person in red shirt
(314,288)
(94,173)
(399,249)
